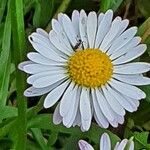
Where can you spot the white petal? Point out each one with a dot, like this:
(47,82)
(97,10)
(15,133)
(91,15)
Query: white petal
(124,25)
(105,143)
(134,103)
(132,54)
(55,94)
(116,146)
(103,27)
(32,91)
(38,58)
(31,79)
(77,120)
(43,46)
(38,38)
(127,47)
(66,100)
(91,28)
(114,123)
(69,30)
(122,145)
(62,35)
(22,64)
(97,120)
(83,28)
(48,80)
(100,17)
(128,90)
(133,79)
(121,99)
(42,32)
(120,119)
(59,43)
(99,115)
(112,33)
(114,104)
(131,147)
(105,108)
(75,22)
(38,68)
(123,39)
(132,68)
(83,145)
(60,18)
(85,109)
(70,117)
(57,119)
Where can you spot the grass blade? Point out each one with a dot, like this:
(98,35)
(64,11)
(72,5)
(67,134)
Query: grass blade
(19,53)
(5,60)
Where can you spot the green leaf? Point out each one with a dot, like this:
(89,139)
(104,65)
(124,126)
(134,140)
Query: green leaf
(146,89)
(2,8)
(62,8)
(142,113)
(110,4)
(7,112)
(115,4)
(5,144)
(1,34)
(39,138)
(18,32)
(28,4)
(144,32)
(52,138)
(144,6)
(5,60)
(141,140)
(6,127)
(43,12)
(31,145)
(105,5)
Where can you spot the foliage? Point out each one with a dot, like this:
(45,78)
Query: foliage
(24,124)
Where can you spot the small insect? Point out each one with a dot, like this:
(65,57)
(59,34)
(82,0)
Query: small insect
(78,44)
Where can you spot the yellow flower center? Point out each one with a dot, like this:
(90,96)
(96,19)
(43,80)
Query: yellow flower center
(90,68)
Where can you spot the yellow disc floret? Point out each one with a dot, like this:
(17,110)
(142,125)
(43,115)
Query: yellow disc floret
(90,67)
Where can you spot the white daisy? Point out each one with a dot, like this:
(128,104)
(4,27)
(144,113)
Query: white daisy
(105,144)
(84,63)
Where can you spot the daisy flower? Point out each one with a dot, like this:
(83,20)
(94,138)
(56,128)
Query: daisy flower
(105,144)
(84,63)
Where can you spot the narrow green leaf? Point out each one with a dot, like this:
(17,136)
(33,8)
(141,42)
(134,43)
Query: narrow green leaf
(144,32)
(2,8)
(142,113)
(105,5)
(146,89)
(18,32)
(110,4)
(115,4)
(43,12)
(144,6)
(52,138)
(141,140)
(62,8)
(5,59)
(7,112)
(39,138)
